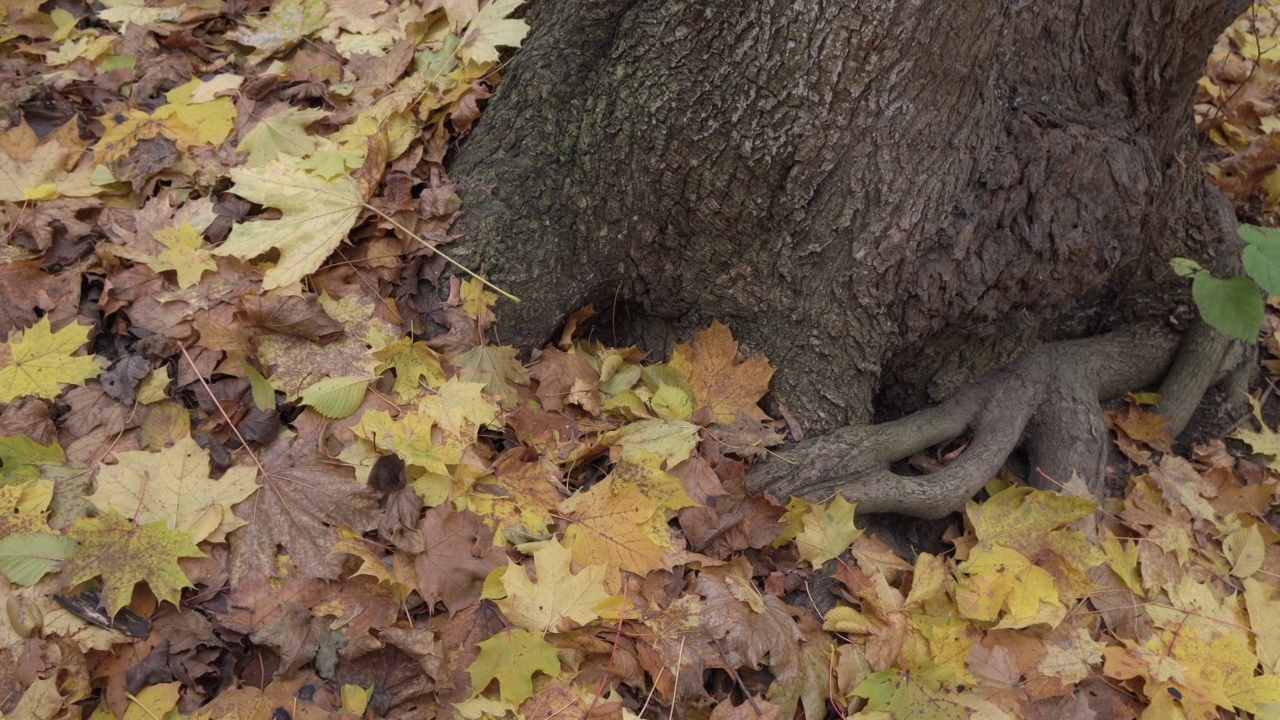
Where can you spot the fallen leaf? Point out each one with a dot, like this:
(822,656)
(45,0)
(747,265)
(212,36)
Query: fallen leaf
(559,599)
(124,554)
(38,361)
(719,378)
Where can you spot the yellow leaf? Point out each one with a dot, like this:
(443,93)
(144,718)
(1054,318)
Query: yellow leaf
(1245,551)
(31,169)
(200,122)
(1122,558)
(414,363)
(491,28)
(828,531)
(410,437)
(38,361)
(1022,518)
(672,440)
(720,381)
(125,555)
(558,595)
(512,657)
(460,408)
(173,486)
(183,253)
(316,216)
(23,507)
(1264,620)
(154,701)
(477,302)
(607,528)
(1001,579)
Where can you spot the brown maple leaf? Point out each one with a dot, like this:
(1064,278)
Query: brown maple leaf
(720,380)
(302,499)
(459,554)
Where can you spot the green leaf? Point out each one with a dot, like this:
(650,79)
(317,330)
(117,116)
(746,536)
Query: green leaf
(1253,233)
(264,396)
(27,557)
(21,458)
(1185,267)
(125,555)
(336,398)
(1262,262)
(1233,307)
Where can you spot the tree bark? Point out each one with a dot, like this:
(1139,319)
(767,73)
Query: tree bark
(890,199)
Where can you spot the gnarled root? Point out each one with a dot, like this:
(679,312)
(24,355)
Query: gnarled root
(1049,401)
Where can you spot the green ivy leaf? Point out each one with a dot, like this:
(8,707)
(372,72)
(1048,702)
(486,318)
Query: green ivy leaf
(1233,307)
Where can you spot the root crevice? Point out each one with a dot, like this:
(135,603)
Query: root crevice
(1049,400)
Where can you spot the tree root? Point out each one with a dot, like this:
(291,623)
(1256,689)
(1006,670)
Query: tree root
(1049,401)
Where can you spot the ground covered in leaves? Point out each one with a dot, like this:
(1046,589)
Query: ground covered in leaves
(254,467)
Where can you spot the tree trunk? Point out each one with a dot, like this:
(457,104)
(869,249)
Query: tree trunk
(891,200)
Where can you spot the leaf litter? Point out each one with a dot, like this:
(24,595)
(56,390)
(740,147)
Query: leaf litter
(237,480)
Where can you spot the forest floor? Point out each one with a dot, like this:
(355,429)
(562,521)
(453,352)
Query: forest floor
(240,480)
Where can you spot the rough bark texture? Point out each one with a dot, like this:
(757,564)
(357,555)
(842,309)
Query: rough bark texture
(889,199)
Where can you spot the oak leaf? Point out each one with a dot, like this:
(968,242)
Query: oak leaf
(125,554)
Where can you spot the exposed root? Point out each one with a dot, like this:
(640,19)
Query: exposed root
(1050,399)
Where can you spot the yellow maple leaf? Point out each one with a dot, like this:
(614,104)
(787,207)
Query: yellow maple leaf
(24,508)
(32,169)
(39,362)
(607,528)
(719,380)
(1022,518)
(558,595)
(195,116)
(827,530)
(183,253)
(460,408)
(316,216)
(173,486)
(512,657)
(490,28)
(410,437)
(477,302)
(414,363)
(999,580)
